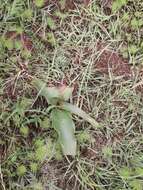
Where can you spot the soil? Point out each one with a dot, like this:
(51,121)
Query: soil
(110,61)
(106,3)
(55,173)
(107,6)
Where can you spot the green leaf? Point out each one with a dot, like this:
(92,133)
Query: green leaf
(61,15)
(18,29)
(132,49)
(62,122)
(22,106)
(33,167)
(117,4)
(125,17)
(107,151)
(51,39)
(18,44)
(65,92)
(125,172)
(24,131)
(39,3)
(37,186)
(27,14)
(136,184)
(84,137)
(25,53)
(39,143)
(140,22)
(51,23)
(41,153)
(77,111)
(51,94)
(8,43)
(21,170)
(45,123)
(139,171)
(135,23)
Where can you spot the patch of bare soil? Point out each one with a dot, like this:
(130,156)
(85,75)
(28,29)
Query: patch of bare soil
(110,62)
(106,5)
(106,60)
(55,173)
(94,153)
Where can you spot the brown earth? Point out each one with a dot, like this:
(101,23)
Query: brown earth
(111,61)
(106,61)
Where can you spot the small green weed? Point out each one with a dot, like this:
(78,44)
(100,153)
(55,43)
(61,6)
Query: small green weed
(61,114)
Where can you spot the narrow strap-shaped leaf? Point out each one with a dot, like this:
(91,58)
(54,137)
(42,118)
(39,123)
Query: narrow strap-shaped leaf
(62,122)
(77,111)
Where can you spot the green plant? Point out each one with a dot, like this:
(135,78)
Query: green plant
(39,3)
(41,153)
(61,114)
(51,23)
(27,14)
(84,137)
(107,152)
(21,170)
(51,39)
(24,130)
(37,186)
(136,184)
(33,167)
(125,172)
(117,4)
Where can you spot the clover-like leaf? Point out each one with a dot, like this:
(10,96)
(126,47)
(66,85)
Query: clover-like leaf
(62,122)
